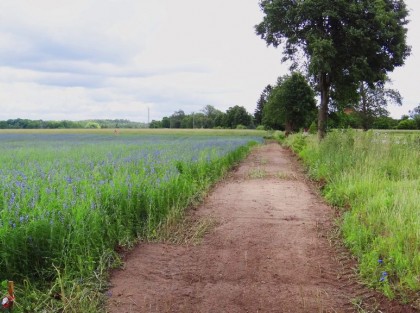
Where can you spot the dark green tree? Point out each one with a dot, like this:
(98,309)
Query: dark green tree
(155,124)
(219,120)
(291,104)
(166,122)
(384,122)
(343,42)
(406,124)
(258,114)
(193,120)
(176,119)
(211,115)
(237,115)
(415,115)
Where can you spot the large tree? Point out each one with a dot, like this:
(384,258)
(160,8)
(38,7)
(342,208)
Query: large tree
(237,115)
(211,116)
(176,119)
(291,104)
(344,42)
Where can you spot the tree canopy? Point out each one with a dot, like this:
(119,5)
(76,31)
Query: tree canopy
(208,117)
(291,104)
(341,42)
(97,123)
(237,115)
(258,114)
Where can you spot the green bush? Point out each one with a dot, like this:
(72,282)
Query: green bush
(407,124)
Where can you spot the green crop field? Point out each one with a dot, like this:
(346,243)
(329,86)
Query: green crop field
(374,180)
(69,199)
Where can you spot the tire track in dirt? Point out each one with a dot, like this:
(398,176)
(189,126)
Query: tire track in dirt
(269,253)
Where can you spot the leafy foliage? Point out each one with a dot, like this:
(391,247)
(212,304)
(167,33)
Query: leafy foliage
(291,104)
(415,115)
(209,117)
(40,124)
(237,115)
(258,114)
(343,42)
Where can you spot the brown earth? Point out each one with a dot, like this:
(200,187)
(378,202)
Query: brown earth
(271,251)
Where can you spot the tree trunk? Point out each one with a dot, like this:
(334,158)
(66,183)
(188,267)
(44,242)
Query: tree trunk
(288,128)
(324,85)
(365,122)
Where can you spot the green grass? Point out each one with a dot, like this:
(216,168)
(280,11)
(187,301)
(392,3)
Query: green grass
(374,179)
(69,200)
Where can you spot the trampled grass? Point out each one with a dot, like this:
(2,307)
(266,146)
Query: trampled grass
(374,178)
(68,200)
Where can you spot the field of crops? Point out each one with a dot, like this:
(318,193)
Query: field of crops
(374,178)
(67,200)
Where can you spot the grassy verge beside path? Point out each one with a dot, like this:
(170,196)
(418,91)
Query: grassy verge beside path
(373,178)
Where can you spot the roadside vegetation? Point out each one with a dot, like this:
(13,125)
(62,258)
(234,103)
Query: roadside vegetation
(69,202)
(373,179)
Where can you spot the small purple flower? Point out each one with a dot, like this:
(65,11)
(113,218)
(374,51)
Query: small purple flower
(384,275)
(380,261)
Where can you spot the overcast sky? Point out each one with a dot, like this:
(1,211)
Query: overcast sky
(83,59)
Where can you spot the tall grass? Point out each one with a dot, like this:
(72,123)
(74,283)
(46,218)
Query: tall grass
(374,178)
(68,201)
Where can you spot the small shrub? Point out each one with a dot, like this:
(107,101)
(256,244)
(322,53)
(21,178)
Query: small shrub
(240,126)
(406,124)
(313,128)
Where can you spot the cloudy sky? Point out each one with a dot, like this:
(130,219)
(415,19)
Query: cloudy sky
(82,59)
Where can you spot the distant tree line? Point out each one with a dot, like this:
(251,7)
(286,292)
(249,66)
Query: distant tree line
(40,124)
(208,117)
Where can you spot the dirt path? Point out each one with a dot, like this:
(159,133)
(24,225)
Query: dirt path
(269,253)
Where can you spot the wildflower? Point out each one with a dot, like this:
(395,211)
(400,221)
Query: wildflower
(384,275)
(12,199)
(380,261)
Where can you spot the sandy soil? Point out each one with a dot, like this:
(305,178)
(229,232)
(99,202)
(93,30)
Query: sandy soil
(271,251)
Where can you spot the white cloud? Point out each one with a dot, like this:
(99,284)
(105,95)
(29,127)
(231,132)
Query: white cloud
(84,59)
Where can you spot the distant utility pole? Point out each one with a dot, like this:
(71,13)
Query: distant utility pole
(148,115)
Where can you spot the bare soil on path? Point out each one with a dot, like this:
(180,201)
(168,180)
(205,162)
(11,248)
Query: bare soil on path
(270,252)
